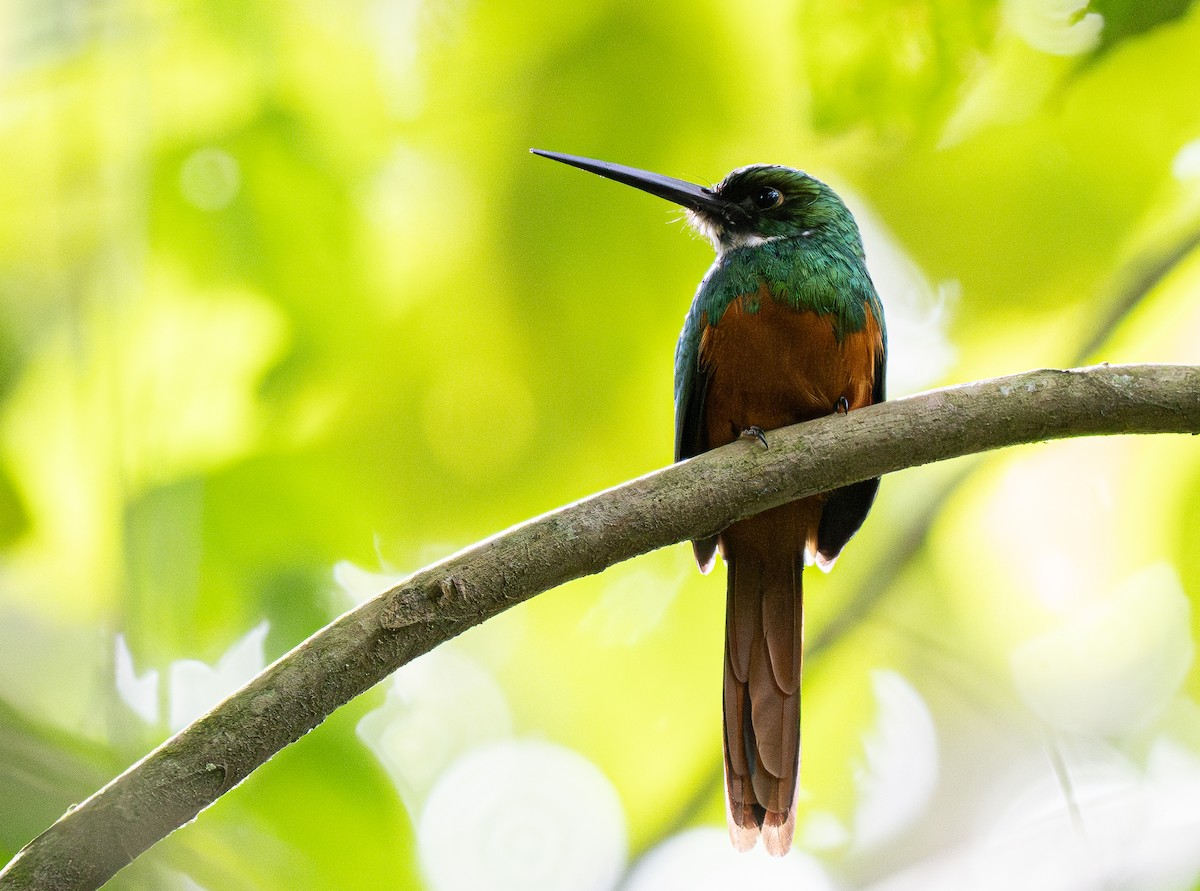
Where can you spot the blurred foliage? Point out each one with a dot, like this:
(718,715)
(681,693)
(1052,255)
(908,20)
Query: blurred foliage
(280,288)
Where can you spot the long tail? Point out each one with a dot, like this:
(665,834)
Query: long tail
(763,637)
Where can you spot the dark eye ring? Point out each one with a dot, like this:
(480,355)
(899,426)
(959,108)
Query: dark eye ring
(766,198)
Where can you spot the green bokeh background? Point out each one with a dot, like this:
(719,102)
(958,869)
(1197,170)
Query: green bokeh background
(280,287)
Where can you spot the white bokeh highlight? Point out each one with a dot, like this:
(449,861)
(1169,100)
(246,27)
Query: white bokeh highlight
(1114,663)
(704,860)
(1057,27)
(1120,825)
(900,772)
(360,585)
(1185,165)
(195,686)
(139,692)
(522,815)
(438,708)
(210,178)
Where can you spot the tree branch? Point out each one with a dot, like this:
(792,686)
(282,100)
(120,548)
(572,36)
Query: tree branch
(696,498)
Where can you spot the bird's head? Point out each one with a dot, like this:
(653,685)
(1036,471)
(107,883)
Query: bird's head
(751,206)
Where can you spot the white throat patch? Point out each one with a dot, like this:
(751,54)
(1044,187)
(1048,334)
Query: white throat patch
(743,241)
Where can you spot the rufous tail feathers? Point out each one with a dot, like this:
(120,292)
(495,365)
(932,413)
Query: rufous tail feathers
(763,636)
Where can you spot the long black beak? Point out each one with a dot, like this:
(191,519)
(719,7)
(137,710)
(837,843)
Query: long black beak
(689,195)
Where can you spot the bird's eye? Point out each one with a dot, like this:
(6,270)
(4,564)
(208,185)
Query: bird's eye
(765,199)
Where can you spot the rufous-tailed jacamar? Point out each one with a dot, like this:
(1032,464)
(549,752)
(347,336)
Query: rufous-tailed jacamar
(785,327)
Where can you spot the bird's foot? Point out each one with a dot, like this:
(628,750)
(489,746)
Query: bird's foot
(843,406)
(755,432)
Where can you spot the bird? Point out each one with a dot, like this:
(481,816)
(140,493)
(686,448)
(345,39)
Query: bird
(786,326)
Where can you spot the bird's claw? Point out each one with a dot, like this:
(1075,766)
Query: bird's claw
(843,406)
(756,432)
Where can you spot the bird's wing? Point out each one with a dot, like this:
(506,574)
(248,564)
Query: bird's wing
(691,385)
(691,388)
